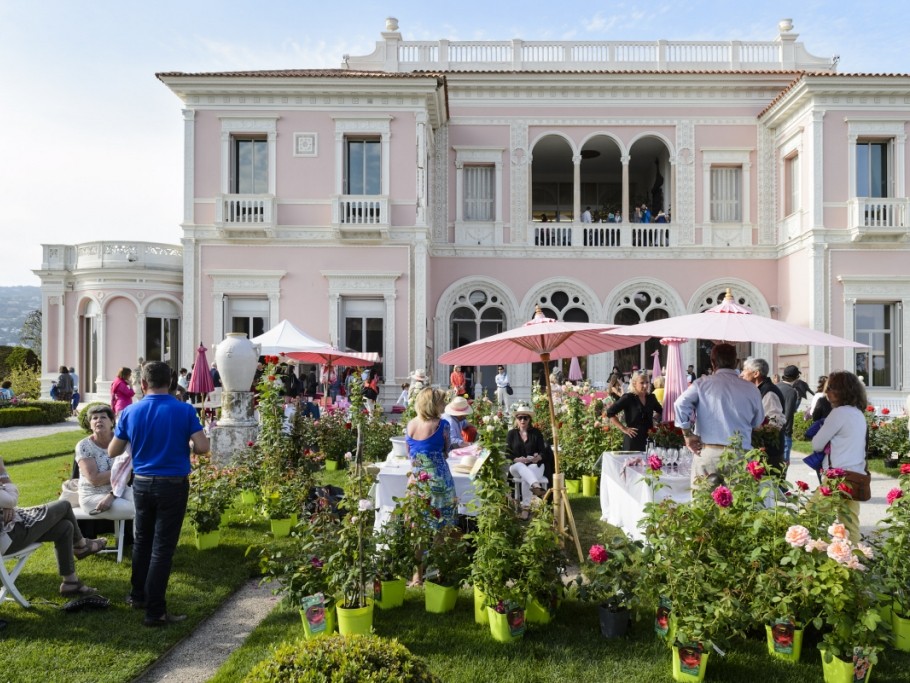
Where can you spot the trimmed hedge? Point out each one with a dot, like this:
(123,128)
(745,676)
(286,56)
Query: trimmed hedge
(342,659)
(30,413)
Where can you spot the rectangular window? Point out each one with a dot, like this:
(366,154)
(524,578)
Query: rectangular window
(248,315)
(873,168)
(875,326)
(479,193)
(726,194)
(250,168)
(363,327)
(791,184)
(363,169)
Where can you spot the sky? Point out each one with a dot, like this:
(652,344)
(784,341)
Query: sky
(92,142)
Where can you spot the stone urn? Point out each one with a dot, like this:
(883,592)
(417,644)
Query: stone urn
(236,357)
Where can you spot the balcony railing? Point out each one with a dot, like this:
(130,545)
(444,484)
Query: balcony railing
(365,216)
(397,55)
(616,235)
(245,211)
(878,217)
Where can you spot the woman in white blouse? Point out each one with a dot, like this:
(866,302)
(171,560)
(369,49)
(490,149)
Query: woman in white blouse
(95,491)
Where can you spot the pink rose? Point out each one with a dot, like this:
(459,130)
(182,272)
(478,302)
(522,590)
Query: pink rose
(597,554)
(835,472)
(840,551)
(722,496)
(838,531)
(816,544)
(824,490)
(865,550)
(654,463)
(893,495)
(423,476)
(756,469)
(797,536)
(905,468)
(249,444)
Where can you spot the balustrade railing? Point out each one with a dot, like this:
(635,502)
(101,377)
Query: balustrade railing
(879,216)
(245,210)
(651,235)
(360,210)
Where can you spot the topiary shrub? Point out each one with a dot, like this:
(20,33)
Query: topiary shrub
(801,422)
(83,414)
(342,659)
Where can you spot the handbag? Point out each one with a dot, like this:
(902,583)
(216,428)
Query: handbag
(861,485)
(509,389)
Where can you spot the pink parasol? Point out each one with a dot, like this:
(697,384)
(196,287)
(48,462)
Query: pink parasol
(656,371)
(543,339)
(675,376)
(330,357)
(731,322)
(575,370)
(201,381)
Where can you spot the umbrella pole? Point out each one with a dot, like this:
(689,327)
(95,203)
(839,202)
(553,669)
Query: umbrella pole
(560,498)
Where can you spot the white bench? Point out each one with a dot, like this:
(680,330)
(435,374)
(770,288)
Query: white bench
(8,590)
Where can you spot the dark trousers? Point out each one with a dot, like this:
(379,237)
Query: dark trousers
(58,527)
(160,508)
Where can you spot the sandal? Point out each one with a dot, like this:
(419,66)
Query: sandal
(525,515)
(91,547)
(539,491)
(71,589)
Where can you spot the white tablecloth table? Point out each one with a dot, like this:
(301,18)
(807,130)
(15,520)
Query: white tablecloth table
(624,491)
(392,482)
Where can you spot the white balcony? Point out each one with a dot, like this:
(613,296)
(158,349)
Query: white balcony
(622,235)
(878,218)
(361,216)
(245,212)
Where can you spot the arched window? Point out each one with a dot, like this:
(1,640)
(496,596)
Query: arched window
(561,305)
(162,332)
(640,307)
(90,324)
(477,315)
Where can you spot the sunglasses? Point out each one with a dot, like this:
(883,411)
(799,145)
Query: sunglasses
(524,417)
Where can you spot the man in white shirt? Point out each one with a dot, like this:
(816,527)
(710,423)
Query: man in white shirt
(586,215)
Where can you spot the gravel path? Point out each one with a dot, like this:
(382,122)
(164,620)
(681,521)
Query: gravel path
(198,656)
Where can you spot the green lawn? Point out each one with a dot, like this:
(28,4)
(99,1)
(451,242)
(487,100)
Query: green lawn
(112,645)
(41,446)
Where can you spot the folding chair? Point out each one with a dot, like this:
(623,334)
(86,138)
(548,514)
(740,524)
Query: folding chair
(8,578)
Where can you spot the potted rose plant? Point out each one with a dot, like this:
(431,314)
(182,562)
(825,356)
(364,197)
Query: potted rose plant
(448,565)
(209,498)
(894,551)
(543,565)
(608,578)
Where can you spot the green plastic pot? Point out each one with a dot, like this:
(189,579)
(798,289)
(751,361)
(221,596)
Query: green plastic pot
(355,620)
(588,485)
(689,663)
(280,527)
(208,540)
(573,485)
(841,671)
(389,594)
(439,599)
(480,608)
(783,643)
(330,626)
(503,631)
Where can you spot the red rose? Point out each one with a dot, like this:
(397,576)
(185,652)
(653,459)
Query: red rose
(597,554)
(271,378)
(756,469)
(824,490)
(347,425)
(870,409)
(802,486)
(893,495)
(905,468)
(885,411)
(845,489)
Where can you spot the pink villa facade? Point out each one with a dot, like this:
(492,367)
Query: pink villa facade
(433,193)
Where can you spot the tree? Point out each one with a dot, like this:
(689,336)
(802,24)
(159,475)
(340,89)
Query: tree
(30,335)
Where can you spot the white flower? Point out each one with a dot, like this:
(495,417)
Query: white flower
(486,419)
(364,504)
(348,456)
(491,428)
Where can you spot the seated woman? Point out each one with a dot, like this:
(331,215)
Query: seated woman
(51,522)
(456,414)
(95,491)
(528,450)
(639,409)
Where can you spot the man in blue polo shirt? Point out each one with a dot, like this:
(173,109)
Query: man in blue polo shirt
(161,431)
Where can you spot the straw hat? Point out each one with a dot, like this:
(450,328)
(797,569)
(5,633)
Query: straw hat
(459,407)
(465,465)
(522,409)
(419,376)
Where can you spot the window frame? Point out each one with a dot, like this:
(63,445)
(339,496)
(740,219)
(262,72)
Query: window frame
(727,158)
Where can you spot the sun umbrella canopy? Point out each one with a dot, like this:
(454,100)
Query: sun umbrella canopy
(201,381)
(656,370)
(285,337)
(731,322)
(332,356)
(675,379)
(527,343)
(575,370)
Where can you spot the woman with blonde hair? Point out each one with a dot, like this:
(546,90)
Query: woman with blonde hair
(427,436)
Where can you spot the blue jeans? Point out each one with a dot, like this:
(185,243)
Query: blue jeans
(788,444)
(160,507)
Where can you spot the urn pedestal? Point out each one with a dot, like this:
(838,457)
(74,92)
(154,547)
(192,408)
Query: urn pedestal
(236,358)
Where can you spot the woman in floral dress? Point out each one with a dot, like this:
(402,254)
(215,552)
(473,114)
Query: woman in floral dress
(427,436)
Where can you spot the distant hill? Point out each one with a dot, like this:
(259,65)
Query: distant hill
(15,304)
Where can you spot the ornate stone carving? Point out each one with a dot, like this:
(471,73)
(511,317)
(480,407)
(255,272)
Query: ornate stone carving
(305,144)
(684,211)
(518,181)
(440,185)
